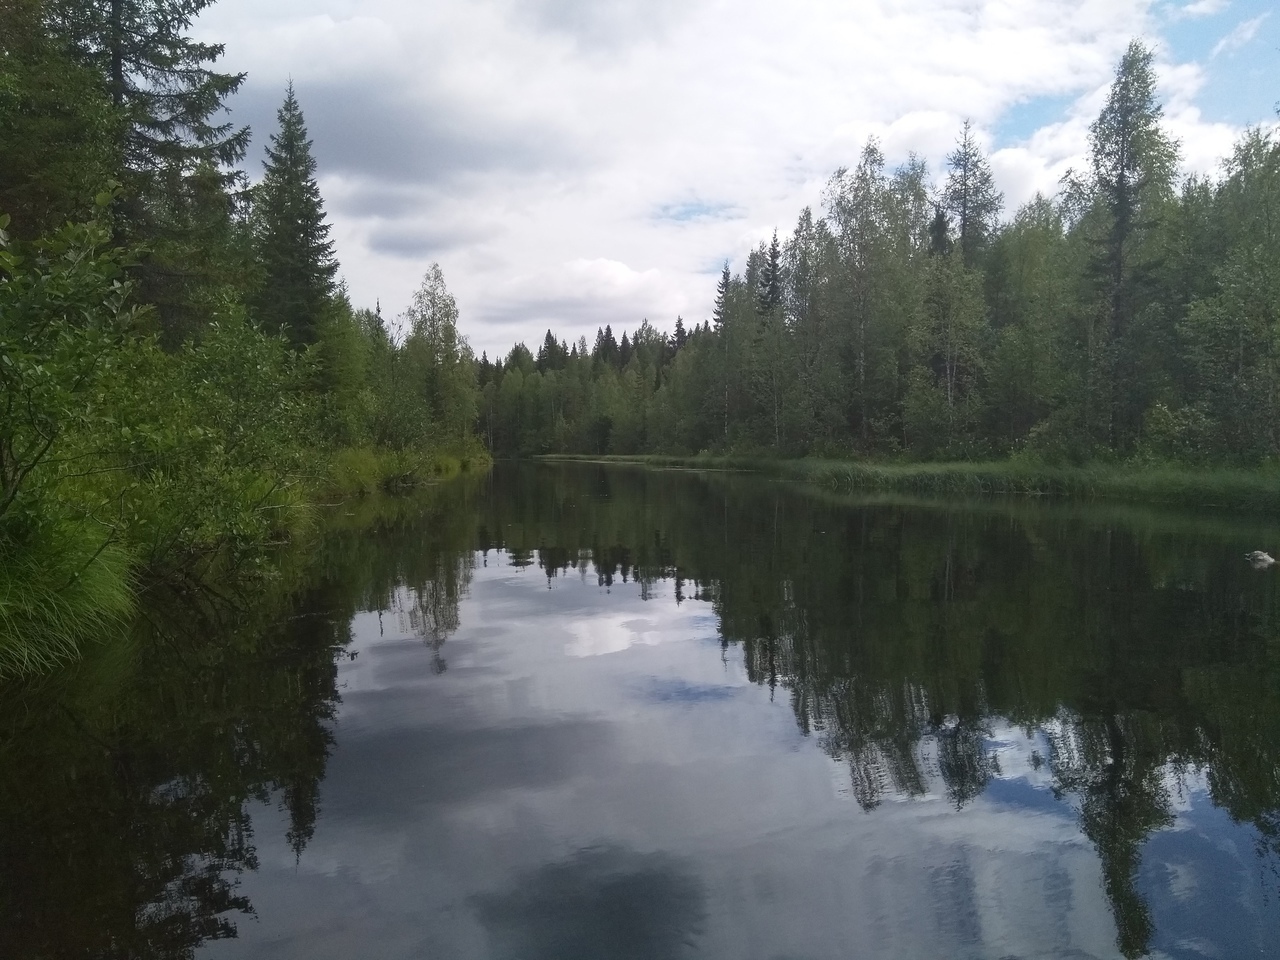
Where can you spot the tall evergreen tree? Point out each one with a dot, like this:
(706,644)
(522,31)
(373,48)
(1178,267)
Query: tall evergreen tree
(769,285)
(1132,161)
(721,316)
(1132,164)
(58,146)
(175,154)
(721,311)
(939,232)
(970,196)
(160,80)
(292,237)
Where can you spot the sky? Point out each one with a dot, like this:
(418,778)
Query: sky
(576,163)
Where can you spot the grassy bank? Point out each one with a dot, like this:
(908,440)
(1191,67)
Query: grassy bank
(73,581)
(1234,489)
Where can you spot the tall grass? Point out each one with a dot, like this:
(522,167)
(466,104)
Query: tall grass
(1254,490)
(1225,487)
(58,589)
(362,470)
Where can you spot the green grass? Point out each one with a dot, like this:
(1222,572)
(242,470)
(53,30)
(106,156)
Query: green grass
(362,471)
(59,590)
(1230,488)
(1253,490)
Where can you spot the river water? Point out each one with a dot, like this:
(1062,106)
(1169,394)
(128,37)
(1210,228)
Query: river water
(571,712)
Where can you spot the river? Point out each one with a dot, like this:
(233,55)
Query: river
(579,711)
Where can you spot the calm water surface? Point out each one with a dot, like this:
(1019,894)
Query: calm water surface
(583,712)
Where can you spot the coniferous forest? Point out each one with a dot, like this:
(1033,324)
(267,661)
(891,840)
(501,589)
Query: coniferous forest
(1132,316)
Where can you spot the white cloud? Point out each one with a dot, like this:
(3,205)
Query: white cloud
(1202,8)
(574,164)
(1245,31)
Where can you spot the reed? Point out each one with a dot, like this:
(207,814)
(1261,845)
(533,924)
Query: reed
(59,589)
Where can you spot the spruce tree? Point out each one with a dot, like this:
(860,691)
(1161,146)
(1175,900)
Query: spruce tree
(1133,162)
(769,288)
(939,232)
(721,312)
(58,140)
(160,82)
(175,153)
(971,197)
(291,235)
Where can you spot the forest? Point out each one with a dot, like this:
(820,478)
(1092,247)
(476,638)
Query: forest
(182,374)
(1130,318)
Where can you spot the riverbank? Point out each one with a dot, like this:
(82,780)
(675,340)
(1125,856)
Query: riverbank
(1255,490)
(69,582)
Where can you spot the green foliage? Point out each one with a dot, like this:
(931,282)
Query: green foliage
(60,130)
(179,382)
(212,441)
(159,80)
(63,323)
(60,585)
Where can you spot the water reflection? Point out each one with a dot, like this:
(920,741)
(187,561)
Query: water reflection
(600,904)
(1109,676)
(124,820)
(1141,653)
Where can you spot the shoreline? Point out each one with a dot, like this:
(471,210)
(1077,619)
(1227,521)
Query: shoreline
(1237,489)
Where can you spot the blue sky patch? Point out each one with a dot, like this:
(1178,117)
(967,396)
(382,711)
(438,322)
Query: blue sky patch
(1021,120)
(690,210)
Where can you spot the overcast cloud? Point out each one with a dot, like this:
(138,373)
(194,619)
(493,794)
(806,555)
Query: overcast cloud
(572,163)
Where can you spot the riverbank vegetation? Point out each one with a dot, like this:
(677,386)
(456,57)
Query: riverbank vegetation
(182,374)
(1132,319)
(1170,483)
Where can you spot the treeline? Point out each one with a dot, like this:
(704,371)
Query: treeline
(181,370)
(1131,316)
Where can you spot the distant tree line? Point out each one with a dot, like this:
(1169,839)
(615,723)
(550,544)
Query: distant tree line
(1131,316)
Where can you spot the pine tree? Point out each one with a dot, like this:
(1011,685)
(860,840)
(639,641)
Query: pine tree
(292,237)
(971,197)
(769,285)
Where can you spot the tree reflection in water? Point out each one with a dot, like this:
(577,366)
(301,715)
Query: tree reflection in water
(1135,650)
(1135,645)
(126,782)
